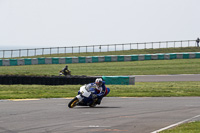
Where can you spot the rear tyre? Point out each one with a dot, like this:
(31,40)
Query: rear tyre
(73,102)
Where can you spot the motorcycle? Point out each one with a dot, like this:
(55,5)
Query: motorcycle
(68,73)
(84,98)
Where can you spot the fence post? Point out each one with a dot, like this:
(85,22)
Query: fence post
(11,53)
(181,44)
(26,53)
(19,52)
(43,51)
(174,44)
(166,44)
(65,51)
(100,48)
(3,53)
(58,50)
(35,51)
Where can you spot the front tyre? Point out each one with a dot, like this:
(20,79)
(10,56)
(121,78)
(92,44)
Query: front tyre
(73,102)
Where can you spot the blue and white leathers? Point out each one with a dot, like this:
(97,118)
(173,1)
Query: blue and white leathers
(101,91)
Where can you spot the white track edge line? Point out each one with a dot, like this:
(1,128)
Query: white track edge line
(176,124)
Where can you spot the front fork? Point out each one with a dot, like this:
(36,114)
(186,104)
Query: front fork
(80,98)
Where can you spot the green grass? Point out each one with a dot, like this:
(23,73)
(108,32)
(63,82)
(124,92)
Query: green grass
(192,127)
(148,67)
(151,67)
(141,89)
(125,52)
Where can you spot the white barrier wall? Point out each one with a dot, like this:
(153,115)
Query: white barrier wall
(20,62)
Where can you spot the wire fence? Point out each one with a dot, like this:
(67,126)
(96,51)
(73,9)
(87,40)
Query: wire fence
(95,48)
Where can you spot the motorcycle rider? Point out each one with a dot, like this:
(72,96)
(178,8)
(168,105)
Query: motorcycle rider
(65,71)
(101,90)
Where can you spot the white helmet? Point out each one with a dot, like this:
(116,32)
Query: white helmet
(98,81)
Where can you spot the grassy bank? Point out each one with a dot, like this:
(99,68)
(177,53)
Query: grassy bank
(192,127)
(151,67)
(141,89)
(125,52)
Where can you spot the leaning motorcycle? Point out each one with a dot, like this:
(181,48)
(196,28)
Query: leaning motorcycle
(84,98)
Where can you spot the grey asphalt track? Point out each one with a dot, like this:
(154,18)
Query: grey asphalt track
(114,115)
(161,78)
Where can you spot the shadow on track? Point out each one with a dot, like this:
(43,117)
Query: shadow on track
(97,107)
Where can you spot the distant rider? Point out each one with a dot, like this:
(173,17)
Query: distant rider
(100,89)
(65,71)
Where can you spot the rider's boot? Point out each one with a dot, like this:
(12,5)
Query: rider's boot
(99,101)
(93,103)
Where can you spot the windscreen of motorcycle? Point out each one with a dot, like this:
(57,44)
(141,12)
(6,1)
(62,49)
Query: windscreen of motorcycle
(84,92)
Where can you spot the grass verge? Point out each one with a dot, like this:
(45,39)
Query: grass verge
(148,67)
(192,127)
(141,89)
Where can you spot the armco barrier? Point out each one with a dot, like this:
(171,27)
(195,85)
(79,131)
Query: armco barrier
(27,61)
(41,60)
(107,58)
(134,57)
(101,59)
(48,60)
(96,59)
(55,60)
(161,56)
(113,58)
(119,80)
(45,80)
(89,59)
(81,59)
(6,62)
(120,58)
(127,58)
(154,57)
(197,55)
(34,61)
(62,60)
(75,60)
(68,60)
(20,62)
(1,63)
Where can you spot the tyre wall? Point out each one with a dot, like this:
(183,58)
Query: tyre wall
(45,80)
(63,80)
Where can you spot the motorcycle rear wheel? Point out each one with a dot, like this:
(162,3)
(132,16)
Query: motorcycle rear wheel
(73,102)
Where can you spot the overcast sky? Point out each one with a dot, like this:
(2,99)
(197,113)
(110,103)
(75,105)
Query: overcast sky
(53,23)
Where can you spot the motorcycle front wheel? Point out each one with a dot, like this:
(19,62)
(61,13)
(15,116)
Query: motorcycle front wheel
(73,102)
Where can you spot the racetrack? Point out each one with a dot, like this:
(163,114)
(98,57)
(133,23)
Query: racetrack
(162,78)
(129,115)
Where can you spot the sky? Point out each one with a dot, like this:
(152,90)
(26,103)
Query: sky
(62,23)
